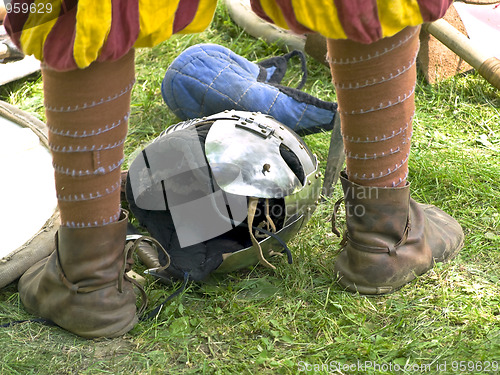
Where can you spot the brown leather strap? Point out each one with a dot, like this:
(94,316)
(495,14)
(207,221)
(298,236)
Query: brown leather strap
(379,249)
(252,208)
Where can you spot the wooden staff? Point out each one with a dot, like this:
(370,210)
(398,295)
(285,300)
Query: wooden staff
(488,66)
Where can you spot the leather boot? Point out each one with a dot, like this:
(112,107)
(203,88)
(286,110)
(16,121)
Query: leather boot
(391,239)
(82,286)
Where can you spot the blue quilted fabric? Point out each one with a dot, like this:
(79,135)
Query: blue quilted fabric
(206,79)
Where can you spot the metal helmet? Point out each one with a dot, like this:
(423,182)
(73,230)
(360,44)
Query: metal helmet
(224,192)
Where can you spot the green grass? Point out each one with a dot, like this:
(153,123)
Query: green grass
(259,321)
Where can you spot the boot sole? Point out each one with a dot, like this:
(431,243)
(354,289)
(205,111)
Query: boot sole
(381,290)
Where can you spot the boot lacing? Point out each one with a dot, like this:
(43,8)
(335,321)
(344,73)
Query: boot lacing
(130,248)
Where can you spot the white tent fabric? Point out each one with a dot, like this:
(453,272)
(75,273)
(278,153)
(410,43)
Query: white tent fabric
(29,205)
(11,71)
(482,23)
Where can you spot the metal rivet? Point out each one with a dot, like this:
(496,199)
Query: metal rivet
(309,182)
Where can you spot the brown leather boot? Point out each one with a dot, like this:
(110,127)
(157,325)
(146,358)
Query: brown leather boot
(82,286)
(391,239)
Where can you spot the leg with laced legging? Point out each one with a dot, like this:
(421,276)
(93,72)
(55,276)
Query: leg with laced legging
(390,239)
(82,285)
(375,86)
